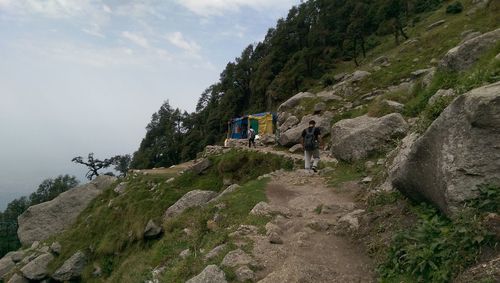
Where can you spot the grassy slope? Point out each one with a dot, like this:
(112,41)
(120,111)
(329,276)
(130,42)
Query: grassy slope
(110,230)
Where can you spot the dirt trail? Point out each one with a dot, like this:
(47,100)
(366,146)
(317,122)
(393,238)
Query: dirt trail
(310,252)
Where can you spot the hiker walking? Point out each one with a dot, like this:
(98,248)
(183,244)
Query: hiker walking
(311,141)
(251,137)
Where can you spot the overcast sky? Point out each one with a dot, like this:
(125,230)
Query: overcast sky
(80,76)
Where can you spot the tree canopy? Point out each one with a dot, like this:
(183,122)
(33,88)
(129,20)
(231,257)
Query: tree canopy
(293,56)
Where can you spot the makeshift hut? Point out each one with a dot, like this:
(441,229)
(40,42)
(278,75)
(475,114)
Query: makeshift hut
(262,123)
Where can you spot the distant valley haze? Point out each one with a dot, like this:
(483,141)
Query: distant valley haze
(86,76)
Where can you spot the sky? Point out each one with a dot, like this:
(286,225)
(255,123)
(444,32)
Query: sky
(80,76)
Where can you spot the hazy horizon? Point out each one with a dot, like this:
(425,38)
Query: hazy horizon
(86,76)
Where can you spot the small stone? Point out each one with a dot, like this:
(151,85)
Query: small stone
(245,230)
(497,57)
(436,24)
(152,230)
(272,228)
(369,164)
(44,249)
(381,161)
(215,252)
(17,256)
(352,219)
(211,274)
(185,253)
(120,188)
(187,231)
(318,225)
(56,248)
(274,238)
(237,258)
(244,274)
(319,107)
(97,272)
(367,180)
(35,245)
(296,148)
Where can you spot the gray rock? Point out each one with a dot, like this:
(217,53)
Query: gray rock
(369,164)
(319,107)
(394,105)
(185,253)
(237,258)
(339,77)
(97,272)
(274,238)
(245,274)
(381,61)
(191,199)
(318,225)
(17,256)
(327,96)
(37,268)
(211,274)
(6,265)
(296,148)
(352,218)
(245,230)
(289,123)
(427,79)
(367,180)
(466,54)
(294,135)
(470,35)
(295,100)
(228,190)
(56,248)
(152,230)
(272,228)
(358,76)
(436,24)
(215,252)
(356,139)
(404,87)
(201,166)
(71,268)
(120,188)
(458,152)
(419,73)
(282,116)
(442,93)
(41,221)
(16,278)
(497,57)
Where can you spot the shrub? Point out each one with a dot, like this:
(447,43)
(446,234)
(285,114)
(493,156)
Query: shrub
(455,8)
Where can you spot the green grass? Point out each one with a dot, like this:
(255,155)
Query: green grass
(110,230)
(345,172)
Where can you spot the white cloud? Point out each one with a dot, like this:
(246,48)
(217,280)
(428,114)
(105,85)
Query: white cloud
(178,40)
(136,38)
(219,7)
(106,9)
(94,30)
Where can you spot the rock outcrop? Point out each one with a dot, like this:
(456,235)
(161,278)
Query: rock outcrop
(71,268)
(458,152)
(295,100)
(466,54)
(152,230)
(355,139)
(191,199)
(211,274)
(43,220)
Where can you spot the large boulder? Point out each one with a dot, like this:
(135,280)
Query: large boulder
(356,139)
(295,100)
(37,268)
(191,199)
(211,274)
(466,54)
(41,221)
(293,136)
(71,268)
(201,166)
(458,152)
(289,123)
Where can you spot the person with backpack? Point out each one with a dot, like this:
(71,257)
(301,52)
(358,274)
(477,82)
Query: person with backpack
(311,141)
(251,137)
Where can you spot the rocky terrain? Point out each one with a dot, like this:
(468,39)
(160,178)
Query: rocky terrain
(236,215)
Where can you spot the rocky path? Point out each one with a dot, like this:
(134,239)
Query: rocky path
(310,250)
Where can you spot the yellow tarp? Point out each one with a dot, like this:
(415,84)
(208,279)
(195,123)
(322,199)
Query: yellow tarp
(265,123)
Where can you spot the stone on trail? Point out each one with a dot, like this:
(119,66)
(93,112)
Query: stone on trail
(356,139)
(41,221)
(211,274)
(237,258)
(215,252)
(191,199)
(457,153)
(71,268)
(37,268)
(245,274)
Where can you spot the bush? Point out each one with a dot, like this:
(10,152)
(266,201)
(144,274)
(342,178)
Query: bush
(455,8)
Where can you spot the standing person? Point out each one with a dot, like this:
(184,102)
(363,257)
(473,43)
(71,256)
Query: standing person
(311,141)
(251,137)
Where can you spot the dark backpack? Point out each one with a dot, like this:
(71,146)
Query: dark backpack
(310,139)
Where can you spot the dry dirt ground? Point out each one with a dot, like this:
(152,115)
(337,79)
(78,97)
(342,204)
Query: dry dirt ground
(310,252)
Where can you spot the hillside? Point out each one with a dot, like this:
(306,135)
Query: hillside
(408,188)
